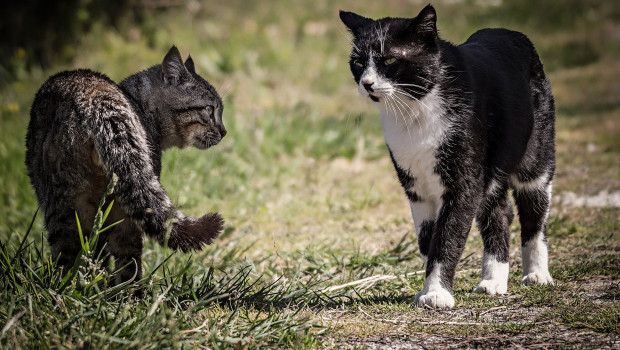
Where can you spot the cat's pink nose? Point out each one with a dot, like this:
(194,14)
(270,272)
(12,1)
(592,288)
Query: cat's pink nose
(367,86)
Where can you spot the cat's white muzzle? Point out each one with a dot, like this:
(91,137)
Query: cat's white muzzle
(372,85)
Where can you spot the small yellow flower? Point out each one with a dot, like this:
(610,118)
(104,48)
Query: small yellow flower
(20,52)
(13,107)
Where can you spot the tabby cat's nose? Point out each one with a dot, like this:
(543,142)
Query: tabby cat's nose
(368,86)
(223,131)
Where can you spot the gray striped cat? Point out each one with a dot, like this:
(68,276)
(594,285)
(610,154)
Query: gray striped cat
(84,128)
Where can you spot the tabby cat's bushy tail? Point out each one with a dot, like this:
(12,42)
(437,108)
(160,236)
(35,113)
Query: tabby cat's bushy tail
(121,144)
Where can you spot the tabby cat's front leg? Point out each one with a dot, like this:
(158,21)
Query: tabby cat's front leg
(446,246)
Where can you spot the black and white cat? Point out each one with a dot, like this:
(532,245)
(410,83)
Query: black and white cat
(463,125)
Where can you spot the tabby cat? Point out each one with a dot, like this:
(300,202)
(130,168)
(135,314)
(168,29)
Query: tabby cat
(463,125)
(84,129)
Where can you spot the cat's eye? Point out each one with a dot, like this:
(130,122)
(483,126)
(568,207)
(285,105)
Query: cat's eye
(389,61)
(210,113)
(358,63)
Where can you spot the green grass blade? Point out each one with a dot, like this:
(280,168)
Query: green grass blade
(107,211)
(110,226)
(9,266)
(19,249)
(85,244)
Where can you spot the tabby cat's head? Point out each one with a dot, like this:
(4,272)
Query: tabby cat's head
(190,106)
(394,57)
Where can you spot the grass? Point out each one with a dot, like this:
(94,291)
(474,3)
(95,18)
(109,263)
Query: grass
(310,198)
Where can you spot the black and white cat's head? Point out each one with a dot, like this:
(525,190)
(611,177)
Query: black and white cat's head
(394,57)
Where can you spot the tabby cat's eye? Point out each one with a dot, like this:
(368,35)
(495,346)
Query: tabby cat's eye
(389,61)
(358,63)
(210,114)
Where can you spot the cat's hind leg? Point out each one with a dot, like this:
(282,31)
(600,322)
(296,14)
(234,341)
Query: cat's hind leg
(125,244)
(533,198)
(63,236)
(493,220)
(63,232)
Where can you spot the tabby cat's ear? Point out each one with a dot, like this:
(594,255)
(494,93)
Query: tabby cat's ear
(172,67)
(354,21)
(426,22)
(189,64)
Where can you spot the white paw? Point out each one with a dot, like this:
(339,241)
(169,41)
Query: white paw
(492,287)
(439,299)
(537,278)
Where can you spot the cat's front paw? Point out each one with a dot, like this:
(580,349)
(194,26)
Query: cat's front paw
(492,287)
(537,278)
(437,299)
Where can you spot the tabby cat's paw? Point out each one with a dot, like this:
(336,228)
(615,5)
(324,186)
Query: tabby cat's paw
(492,287)
(192,234)
(438,299)
(537,278)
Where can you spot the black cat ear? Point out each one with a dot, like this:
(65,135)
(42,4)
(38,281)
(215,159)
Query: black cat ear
(426,21)
(172,67)
(354,21)
(189,64)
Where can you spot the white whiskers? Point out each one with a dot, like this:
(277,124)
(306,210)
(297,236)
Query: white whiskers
(402,114)
(412,112)
(416,86)
(405,93)
(356,50)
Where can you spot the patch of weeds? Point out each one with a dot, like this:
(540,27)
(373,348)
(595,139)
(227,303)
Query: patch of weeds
(298,339)
(594,225)
(584,314)
(391,299)
(604,265)
(540,295)
(466,298)
(612,292)
(562,227)
(344,266)
(41,307)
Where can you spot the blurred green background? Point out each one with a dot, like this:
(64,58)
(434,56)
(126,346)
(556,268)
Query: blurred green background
(304,152)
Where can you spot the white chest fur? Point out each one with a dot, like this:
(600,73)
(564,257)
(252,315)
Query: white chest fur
(413,131)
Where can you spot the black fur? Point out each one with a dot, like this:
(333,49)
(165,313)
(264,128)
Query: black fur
(406,180)
(500,114)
